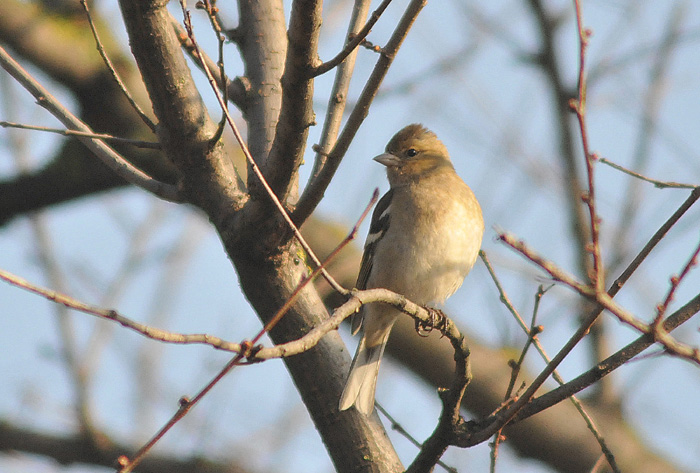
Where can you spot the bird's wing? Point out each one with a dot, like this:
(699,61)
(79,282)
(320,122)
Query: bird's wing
(377,229)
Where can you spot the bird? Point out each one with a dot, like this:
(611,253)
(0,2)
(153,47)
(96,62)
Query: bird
(424,237)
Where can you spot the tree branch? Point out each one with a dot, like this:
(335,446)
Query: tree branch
(296,114)
(339,94)
(185,128)
(608,365)
(354,40)
(313,193)
(106,154)
(69,450)
(262,39)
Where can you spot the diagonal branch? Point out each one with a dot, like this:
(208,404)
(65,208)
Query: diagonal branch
(657,183)
(113,72)
(97,136)
(105,153)
(555,374)
(354,40)
(473,434)
(313,193)
(339,93)
(608,365)
(185,127)
(605,301)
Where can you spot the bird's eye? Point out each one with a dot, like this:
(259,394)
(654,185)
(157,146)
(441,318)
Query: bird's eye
(411,152)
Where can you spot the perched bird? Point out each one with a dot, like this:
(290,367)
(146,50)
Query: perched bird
(424,238)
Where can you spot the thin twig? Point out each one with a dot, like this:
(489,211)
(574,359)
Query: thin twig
(396,425)
(675,282)
(353,42)
(355,301)
(324,173)
(338,97)
(555,374)
(107,155)
(579,106)
(186,405)
(662,336)
(657,183)
(97,136)
(531,333)
(256,169)
(146,119)
(211,10)
(653,241)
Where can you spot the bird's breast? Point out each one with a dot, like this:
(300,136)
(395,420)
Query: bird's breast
(433,240)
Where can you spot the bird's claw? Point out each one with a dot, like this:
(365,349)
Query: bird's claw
(424,328)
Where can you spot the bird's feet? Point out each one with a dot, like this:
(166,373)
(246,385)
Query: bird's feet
(423,328)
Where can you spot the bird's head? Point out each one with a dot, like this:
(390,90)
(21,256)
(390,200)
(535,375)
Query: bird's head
(413,153)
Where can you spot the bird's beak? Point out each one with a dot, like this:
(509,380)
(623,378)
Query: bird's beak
(388,160)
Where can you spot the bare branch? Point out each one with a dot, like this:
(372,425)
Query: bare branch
(354,40)
(657,183)
(675,282)
(338,97)
(597,276)
(258,353)
(296,114)
(606,301)
(106,154)
(610,364)
(256,169)
(110,67)
(607,454)
(97,136)
(313,193)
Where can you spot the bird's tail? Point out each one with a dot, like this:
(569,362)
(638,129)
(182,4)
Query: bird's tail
(362,380)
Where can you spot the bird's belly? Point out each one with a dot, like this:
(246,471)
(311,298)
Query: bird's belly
(430,269)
